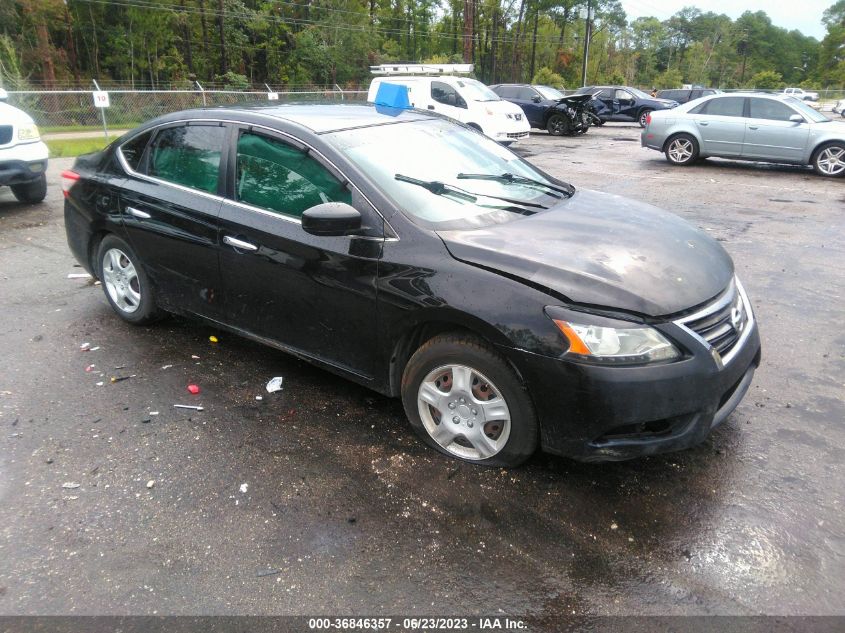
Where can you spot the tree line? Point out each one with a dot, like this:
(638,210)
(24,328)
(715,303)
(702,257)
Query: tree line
(240,43)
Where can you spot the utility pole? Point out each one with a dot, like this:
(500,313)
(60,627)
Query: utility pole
(588,31)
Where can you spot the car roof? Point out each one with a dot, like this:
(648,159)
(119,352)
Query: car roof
(319,118)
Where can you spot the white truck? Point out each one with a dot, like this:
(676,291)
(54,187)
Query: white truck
(23,156)
(800,93)
(461,98)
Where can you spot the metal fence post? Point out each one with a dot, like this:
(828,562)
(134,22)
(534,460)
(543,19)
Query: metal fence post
(102,114)
(202,90)
(340,90)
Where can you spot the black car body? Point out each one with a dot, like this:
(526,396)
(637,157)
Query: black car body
(623,103)
(367,299)
(547,108)
(683,95)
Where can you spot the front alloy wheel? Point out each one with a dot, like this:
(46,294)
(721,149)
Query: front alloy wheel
(830,160)
(557,125)
(682,150)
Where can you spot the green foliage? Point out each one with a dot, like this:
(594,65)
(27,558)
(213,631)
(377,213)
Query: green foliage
(671,78)
(767,80)
(233,81)
(547,77)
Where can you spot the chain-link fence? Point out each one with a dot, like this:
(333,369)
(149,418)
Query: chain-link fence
(74,109)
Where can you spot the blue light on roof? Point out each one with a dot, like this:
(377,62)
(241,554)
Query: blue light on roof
(392,96)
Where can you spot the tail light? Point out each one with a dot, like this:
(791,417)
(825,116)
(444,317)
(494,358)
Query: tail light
(69,179)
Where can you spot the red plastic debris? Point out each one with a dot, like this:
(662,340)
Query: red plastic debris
(194,389)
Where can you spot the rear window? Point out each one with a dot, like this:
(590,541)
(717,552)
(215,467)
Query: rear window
(188,155)
(133,150)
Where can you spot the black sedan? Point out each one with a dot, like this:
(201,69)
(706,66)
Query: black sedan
(547,108)
(413,255)
(623,103)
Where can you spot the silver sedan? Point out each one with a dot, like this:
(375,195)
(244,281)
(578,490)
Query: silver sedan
(748,126)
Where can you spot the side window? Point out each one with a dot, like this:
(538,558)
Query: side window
(701,108)
(506,92)
(133,151)
(725,106)
(444,93)
(275,176)
(526,94)
(188,155)
(623,95)
(770,109)
(607,93)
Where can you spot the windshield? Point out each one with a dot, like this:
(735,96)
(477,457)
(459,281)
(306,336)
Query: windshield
(639,93)
(549,93)
(477,91)
(425,182)
(809,113)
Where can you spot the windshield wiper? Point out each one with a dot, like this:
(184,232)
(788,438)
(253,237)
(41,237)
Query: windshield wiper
(442,189)
(519,180)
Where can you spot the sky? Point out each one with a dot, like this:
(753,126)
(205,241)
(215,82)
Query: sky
(804,15)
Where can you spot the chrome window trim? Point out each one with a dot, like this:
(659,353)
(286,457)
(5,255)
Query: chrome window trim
(722,302)
(249,207)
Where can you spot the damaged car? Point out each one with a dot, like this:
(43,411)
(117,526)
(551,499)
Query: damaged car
(509,310)
(548,108)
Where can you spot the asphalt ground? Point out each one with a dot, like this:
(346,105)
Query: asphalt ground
(320,500)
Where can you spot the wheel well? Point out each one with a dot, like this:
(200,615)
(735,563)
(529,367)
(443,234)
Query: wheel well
(475,126)
(676,135)
(93,247)
(416,336)
(821,146)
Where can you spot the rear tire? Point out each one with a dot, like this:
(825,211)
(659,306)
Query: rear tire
(681,150)
(125,283)
(829,160)
(463,399)
(31,192)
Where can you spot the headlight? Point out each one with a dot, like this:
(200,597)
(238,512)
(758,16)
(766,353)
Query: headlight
(633,345)
(28,132)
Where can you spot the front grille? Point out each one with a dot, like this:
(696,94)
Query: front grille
(5,134)
(517,134)
(722,323)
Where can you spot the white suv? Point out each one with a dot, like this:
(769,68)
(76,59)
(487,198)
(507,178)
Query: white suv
(23,157)
(799,93)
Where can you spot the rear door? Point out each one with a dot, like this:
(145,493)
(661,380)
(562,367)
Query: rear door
(721,125)
(770,135)
(446,100)
(315,295)
(169,206)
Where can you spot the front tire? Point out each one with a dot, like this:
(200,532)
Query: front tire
(682,150)
(31,192)
(829,160)
(557,125)
(125,283)
(643,116)
(463,399)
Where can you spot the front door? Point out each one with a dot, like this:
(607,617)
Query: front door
(169,205)
(315,295)
(770,135)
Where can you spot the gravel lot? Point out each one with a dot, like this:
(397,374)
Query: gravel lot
(319,499)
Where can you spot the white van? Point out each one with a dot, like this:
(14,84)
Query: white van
(466,100)
(23,156)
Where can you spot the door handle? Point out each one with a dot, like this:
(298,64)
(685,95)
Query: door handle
(752,127)
(239,244)
(431,107)
(704,123)
(143,215)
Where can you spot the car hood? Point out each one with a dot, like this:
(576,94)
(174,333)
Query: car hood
(501,107)
(571,100)
(603,250)
(669,103)
(11,115)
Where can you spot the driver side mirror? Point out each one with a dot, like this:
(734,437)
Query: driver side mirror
(536,99)
(331,219)
(796,118)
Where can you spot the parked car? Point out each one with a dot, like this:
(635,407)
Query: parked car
(411,255)
(463,99)
(548,108)
(685,95)
(799,93)
(749,126)
(622,103)
(839,108)
(23,156)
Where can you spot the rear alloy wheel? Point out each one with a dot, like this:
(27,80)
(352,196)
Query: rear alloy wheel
(682,150)
(463,399)
(829,160)
(557,125)
(31,192)
(125,283)
(643,116)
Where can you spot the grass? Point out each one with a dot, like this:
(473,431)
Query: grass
(48,129)
(77,146)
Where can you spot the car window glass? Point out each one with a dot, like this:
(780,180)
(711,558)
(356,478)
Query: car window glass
(275,176)
(725,106)
(444,93)
(188,155)
(133,151)
(527,94)
(607,93)
(504,91)
(770,109)
(624,95)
